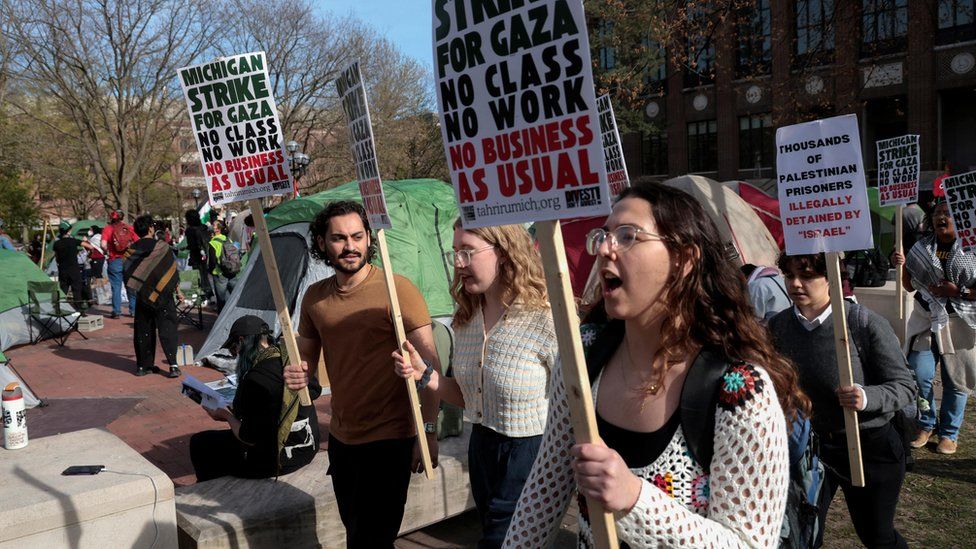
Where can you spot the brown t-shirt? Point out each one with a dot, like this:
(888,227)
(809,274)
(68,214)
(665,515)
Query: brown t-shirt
(355,328)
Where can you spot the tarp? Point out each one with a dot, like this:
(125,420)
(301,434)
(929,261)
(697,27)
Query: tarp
(423,212)
(742,231)
(16,270)
(765,206)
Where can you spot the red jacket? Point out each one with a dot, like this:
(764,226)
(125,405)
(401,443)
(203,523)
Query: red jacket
(107,239)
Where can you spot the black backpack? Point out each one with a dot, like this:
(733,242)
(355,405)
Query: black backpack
(699,399)
(867,268)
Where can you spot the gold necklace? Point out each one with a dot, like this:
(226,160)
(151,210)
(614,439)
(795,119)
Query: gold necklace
(651,389)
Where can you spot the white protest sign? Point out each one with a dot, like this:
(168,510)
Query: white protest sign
(898,170)
(353,94)
(235,123)
(613,152)
(823,198)
(960,191)
(518,110)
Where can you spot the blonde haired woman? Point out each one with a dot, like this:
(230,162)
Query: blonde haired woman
(504,353)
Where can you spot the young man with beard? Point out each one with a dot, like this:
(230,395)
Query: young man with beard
(372,446)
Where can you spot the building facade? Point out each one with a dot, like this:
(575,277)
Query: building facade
(903,66)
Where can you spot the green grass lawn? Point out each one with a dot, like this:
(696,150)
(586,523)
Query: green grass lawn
(938,500)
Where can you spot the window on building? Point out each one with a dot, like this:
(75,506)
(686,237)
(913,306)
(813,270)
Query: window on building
(755,52)
(657,69)
(884,26)
(703,146)
(608,55)
(814,31)
(191,169)
(757,144)
(700,66)
(654,153)
(956,21)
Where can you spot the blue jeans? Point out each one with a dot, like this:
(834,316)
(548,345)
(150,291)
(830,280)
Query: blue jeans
(498,467)
(115,279)
(953,400)
(223,287)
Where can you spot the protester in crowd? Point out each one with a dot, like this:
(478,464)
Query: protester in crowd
(34,248)
(372,438)
(675,300)
(6,243)
(197,243)
(97,255)
(767,291)
(156,309)
(219,265)
(116,239)
(882,386)
(505,350)
(940,328)
(70,275)
(84,265)
(258,445)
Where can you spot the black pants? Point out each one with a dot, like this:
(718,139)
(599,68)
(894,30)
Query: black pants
(370,482)
(216,454)
(148,322)
(872,508)
(498,466)
(73,279)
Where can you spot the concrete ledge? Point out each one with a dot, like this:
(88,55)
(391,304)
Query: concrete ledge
(882,301)
(299,510)
(41,508)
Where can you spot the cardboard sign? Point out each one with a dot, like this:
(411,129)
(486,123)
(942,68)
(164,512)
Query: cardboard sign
(960,191)
(823,197)
(898,170)
(613,152)
(518,110)
(235,123)
(353,94)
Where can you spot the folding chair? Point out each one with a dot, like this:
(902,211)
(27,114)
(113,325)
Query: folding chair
(190,286)
(45,307)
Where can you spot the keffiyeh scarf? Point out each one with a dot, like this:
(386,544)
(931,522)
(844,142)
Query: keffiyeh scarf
(926,269)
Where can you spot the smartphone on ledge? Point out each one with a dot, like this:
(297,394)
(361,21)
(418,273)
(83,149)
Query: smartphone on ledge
(83,470)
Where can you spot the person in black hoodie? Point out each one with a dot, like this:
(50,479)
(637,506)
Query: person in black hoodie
(197,242)
(270,433)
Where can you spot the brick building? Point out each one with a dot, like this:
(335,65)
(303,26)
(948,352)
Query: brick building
(903,66)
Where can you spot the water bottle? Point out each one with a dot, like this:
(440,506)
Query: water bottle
(14,417)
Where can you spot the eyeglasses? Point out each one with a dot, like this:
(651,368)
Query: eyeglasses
(622,238)
(462,258)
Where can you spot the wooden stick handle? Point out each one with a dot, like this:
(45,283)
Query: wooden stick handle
(401,337)
(841,346)
(44,246)
(900,248)
(575,376)
(274,280)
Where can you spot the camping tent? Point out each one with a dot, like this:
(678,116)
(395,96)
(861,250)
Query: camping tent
(766,207)
(422,212)
(16,269)
(744,234)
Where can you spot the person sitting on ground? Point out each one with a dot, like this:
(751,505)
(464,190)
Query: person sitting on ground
(767,291)
(679,308)
(270,433)
(940,328)
(882,386)
(155,308)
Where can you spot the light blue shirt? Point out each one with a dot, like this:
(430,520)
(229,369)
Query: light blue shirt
(6,244)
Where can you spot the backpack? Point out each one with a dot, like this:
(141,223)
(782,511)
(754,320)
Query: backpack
(121,238)
(230,259)
(904,420)
(867,268)
(699,399)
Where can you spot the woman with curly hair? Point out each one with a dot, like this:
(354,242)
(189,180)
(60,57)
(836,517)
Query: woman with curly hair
(678,306)
(503,358)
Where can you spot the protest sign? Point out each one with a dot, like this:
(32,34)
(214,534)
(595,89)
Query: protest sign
(518,111)
(613,152)
(235,124)
(960,191)
(520,127)
(353,95)
(898,170)
(352,92)
(824,207)
(822,192)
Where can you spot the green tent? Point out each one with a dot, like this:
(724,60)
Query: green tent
(80,228)
(422,212)
(16,269)
(881,216)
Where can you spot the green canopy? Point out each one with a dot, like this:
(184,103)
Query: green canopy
(16,269)
(422,212)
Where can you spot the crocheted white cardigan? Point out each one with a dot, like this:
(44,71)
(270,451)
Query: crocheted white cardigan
(740,503)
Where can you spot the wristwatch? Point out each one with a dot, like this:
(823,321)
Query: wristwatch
(430,427)
(964,292)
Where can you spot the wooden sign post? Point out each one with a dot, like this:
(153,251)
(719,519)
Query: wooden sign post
(824,208)
(43,245)
(352,93)
(899,282)
(843,350)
